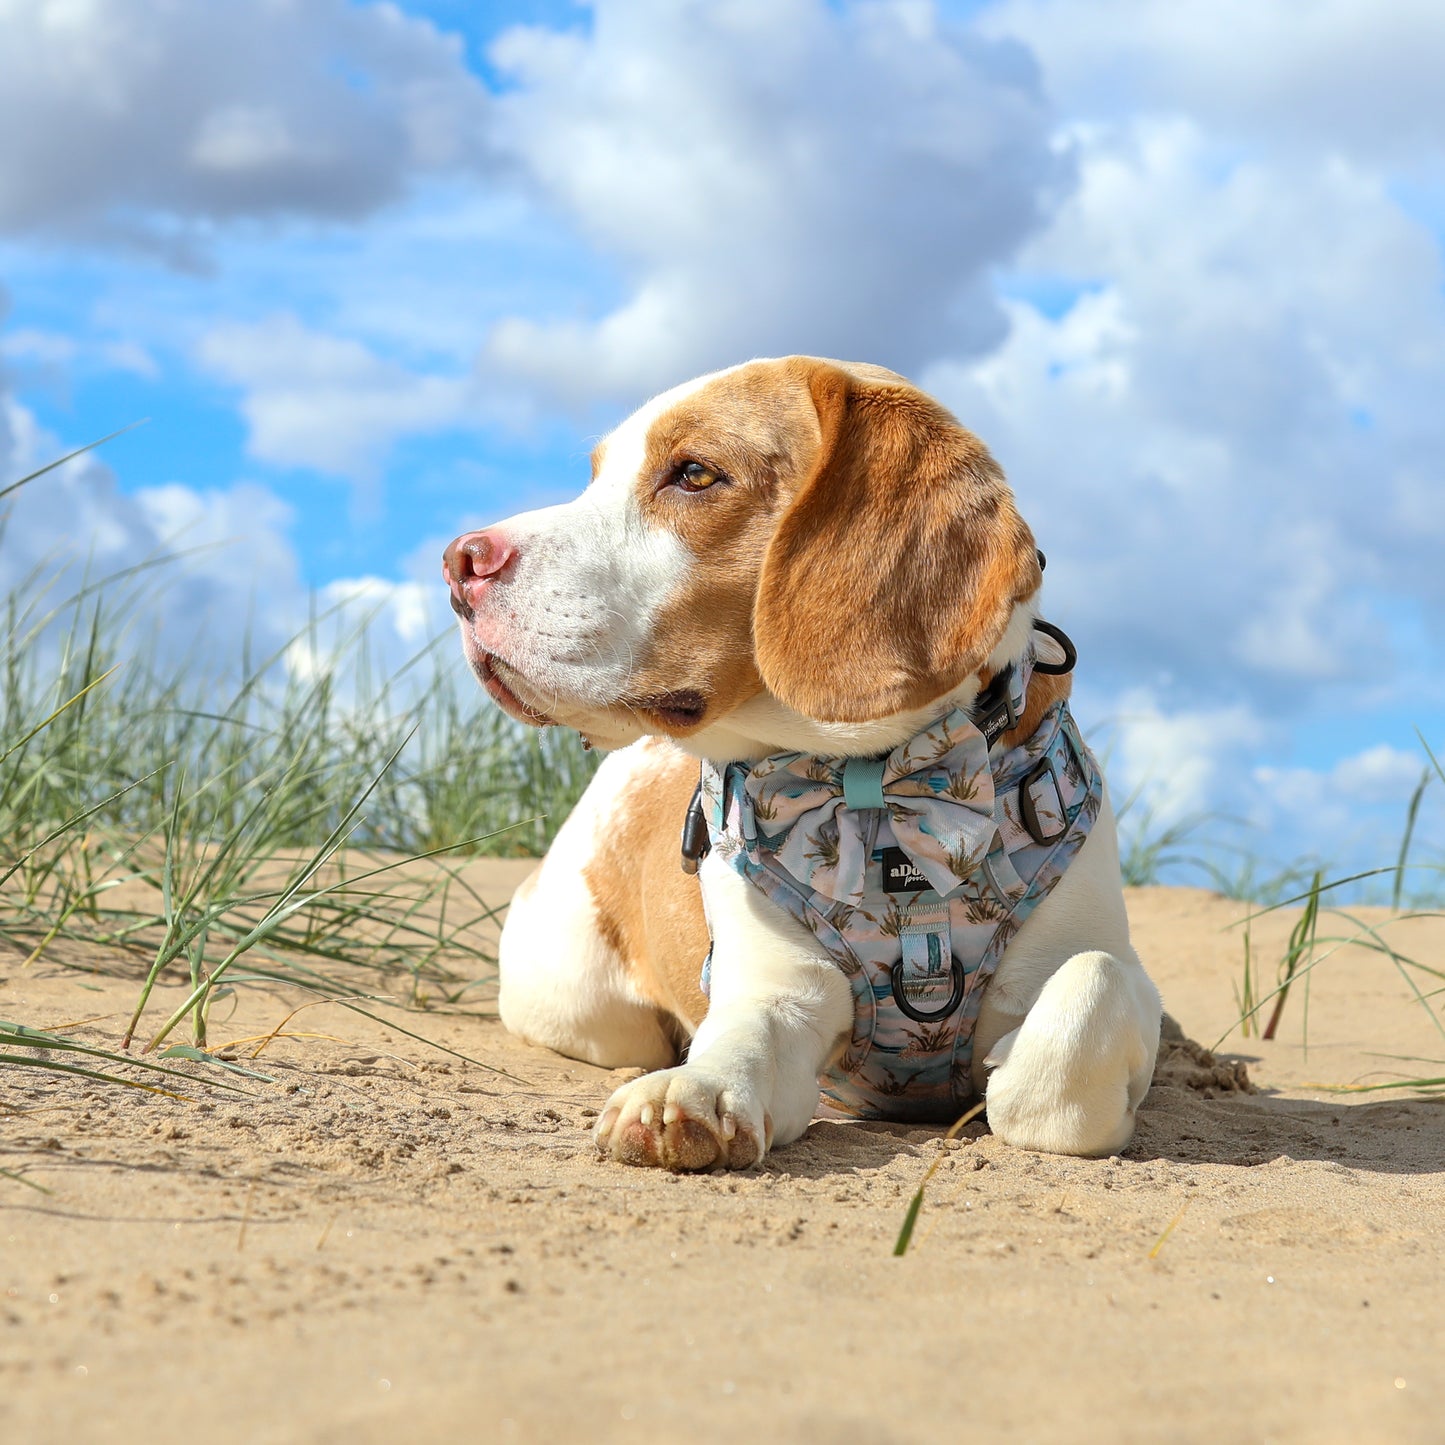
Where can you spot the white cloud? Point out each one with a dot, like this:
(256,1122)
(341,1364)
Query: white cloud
(233,566)
(329,402)
(1326,77)
(1245,818)
(1224,442)
(1379,774)
(236,536)
(771,177)
(1352,813)
(414,610)
(147,119)
(228,569)
(1328,796)
(1177,764)
(249,138)
(56,352)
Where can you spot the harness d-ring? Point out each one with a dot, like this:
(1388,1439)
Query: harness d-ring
(919,1015)
(1071,653)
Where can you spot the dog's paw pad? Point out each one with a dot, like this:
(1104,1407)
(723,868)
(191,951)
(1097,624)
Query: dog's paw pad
(743,1149)
(689,1145)
(636,1143)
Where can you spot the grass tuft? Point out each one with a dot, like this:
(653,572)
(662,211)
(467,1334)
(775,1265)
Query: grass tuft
(302,816)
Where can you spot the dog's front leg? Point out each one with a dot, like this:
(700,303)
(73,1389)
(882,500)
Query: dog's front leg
(779,1008)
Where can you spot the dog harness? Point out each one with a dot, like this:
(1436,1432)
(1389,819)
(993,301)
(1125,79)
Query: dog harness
(914,870)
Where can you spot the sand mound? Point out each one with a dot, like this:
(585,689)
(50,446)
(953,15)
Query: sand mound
(1184,1064)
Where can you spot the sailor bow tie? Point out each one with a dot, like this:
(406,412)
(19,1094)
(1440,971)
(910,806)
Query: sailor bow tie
(936,789)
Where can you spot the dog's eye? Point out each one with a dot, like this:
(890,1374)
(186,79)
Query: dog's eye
(695,477)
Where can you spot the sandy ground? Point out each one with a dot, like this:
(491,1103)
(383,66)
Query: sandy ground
(390,1244)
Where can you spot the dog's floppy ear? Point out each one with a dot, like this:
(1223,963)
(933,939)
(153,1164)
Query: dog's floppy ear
(893,572)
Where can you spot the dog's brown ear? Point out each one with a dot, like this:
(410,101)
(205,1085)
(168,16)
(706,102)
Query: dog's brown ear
(893,572)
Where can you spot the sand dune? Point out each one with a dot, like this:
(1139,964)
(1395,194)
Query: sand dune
(390,1244)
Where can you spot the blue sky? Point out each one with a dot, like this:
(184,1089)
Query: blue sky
(376,273)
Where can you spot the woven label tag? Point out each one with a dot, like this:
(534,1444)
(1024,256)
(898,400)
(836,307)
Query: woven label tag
(900,874)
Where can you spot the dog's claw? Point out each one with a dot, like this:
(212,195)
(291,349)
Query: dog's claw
(603,1130)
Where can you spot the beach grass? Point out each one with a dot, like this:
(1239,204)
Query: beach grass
(301,816)
(1308,947)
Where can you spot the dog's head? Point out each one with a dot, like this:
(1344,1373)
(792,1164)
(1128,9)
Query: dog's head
(791,553)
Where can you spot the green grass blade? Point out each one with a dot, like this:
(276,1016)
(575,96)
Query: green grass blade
(1412,813)
(68,457)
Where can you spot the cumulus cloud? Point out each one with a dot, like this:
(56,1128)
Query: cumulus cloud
(227,569)
(1352,813)
(769,177)
(1200,768)
(329,402)
(147,119)
(1330,77)
(54,355)
(1177,762)
(234,567)
(1224,439)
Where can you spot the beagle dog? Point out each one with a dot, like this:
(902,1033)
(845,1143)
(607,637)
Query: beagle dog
(791,555)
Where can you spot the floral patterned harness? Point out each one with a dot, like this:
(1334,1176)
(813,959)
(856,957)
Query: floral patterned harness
(914,871)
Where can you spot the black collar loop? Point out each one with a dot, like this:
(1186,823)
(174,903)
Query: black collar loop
(1071,653)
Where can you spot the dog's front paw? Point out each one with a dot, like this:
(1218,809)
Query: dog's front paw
(684,1119)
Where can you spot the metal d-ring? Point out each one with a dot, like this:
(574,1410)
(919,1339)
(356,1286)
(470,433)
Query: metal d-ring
(917,1014)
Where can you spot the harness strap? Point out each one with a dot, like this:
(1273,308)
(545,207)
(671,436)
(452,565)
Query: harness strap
(863,782)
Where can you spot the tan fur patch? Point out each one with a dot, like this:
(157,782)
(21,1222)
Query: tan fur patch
(758,429)
(649,910)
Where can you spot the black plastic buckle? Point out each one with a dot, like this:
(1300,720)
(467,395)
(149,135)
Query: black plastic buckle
(917,1014)
(695,843)
(1030,813)
(994,712)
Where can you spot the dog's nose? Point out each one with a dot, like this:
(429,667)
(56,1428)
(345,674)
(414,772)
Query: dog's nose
(472,558)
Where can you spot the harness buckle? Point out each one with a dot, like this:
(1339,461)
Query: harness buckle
(920,975)
(1063,642)
(994,710)
(695,842)
(1041,804)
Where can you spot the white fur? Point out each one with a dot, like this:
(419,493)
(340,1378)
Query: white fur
(1068,1031)
(573,611)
